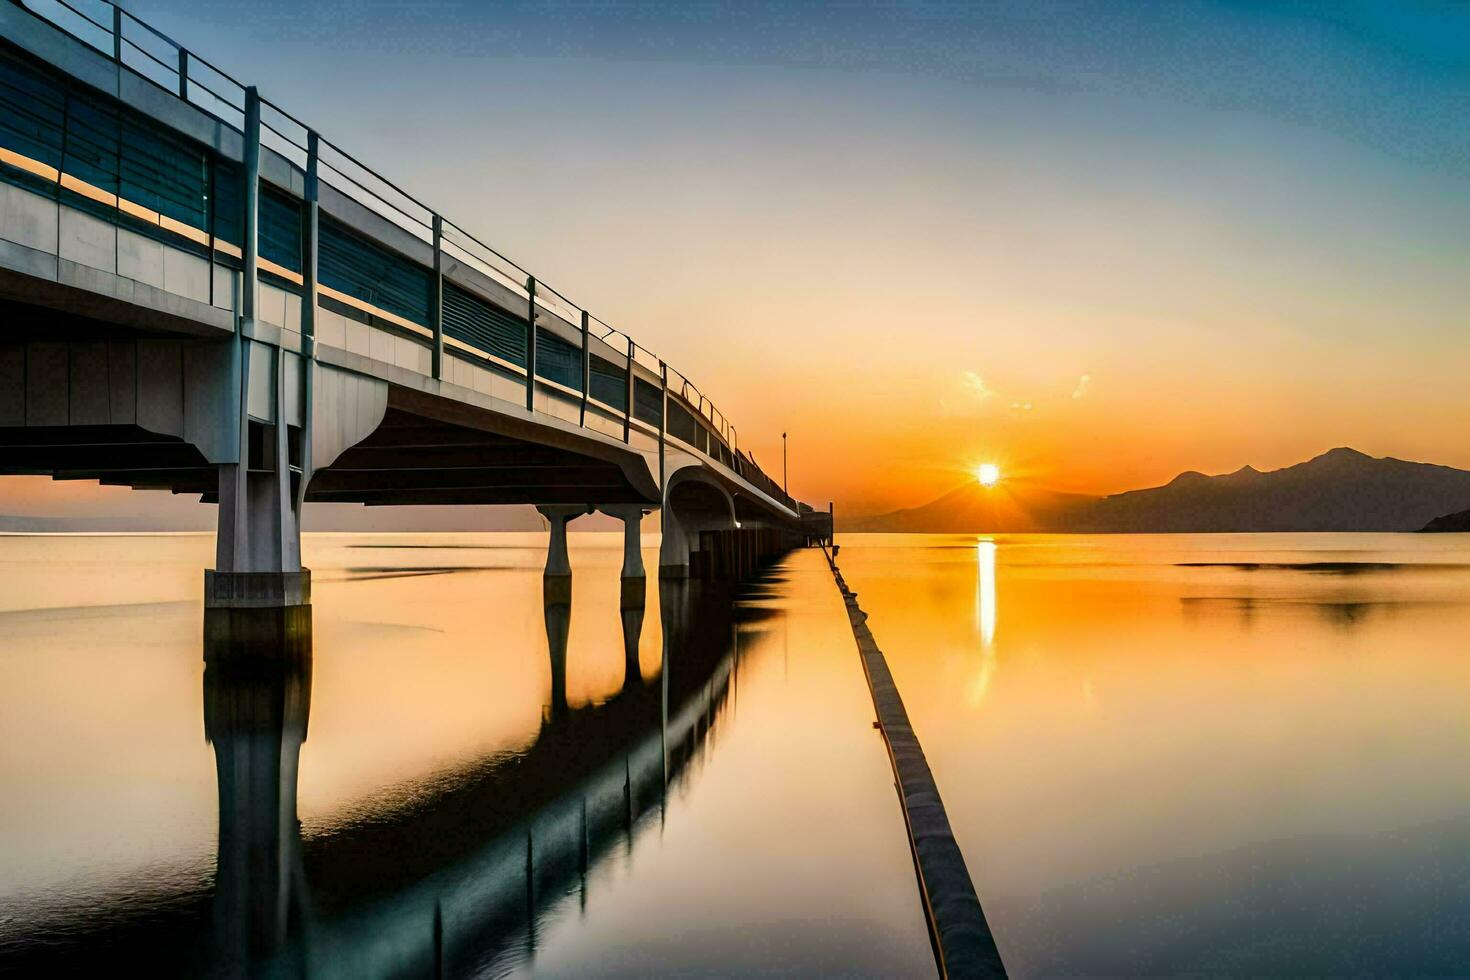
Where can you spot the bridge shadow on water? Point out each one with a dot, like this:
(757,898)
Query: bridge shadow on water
(454,878)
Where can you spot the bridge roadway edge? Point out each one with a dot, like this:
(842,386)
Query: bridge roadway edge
(963,943)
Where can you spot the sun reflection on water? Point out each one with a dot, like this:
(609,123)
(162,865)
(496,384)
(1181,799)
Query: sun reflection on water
(985,590)
(985,616)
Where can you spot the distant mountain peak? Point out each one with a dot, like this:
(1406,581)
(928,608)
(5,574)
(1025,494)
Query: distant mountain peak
(1343,453)
(1342,489)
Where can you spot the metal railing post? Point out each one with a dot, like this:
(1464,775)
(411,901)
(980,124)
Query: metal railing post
(211,222)
(250,248)
(530,343)
(586,364)
(436,300)
(117,39)
(236,556)
(663,417)
(184,74)
(310,231)
(310,251)
(628,415)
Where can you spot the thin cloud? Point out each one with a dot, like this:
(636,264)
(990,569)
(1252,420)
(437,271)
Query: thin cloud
(976,384)
(1084,383)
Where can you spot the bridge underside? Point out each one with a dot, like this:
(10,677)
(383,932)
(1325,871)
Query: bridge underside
(412,459)
(407,460)
(113,455)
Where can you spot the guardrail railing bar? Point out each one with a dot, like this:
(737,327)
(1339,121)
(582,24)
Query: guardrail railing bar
(85,16)
(503,272)
(471,236)
(149,55)
(370,171)
(370,193)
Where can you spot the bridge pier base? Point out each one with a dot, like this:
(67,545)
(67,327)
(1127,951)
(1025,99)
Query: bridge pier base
(256,590)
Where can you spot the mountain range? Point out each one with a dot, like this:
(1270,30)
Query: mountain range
(1340,490)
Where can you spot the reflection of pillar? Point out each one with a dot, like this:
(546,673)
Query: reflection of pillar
(632,633)
(267,633)
(673,608)
(255,715)
(558,626)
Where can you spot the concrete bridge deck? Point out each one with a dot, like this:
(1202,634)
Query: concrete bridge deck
(199,293)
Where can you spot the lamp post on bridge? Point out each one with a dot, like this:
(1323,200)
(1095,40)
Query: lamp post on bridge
(785,486)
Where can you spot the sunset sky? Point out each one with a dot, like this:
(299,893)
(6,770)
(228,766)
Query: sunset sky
(1095,244)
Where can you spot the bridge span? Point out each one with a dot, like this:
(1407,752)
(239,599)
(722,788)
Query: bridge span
(201,293)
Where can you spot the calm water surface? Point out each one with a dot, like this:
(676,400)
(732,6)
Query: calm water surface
(1227,753)
(1213,753)
(461,778)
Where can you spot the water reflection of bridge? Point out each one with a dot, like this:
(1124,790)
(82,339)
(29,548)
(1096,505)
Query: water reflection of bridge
(456,879)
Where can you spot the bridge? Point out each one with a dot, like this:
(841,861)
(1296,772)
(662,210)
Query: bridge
(202,294)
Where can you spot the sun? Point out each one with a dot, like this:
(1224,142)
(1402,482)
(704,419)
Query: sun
(988,474)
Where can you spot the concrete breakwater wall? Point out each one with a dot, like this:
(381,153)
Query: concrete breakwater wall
(963,943)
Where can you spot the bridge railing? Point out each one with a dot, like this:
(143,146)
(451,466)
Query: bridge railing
(148,52)
(152,55)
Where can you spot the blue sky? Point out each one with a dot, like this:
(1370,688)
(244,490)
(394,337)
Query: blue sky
(1246,223)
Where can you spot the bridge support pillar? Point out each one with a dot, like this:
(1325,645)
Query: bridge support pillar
(258,537)
(674,548)
(557,579)
(257,545)
(632,517)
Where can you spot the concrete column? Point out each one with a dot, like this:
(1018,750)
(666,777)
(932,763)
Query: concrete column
(632,517)
(258,536)
(557,561)
(673,551)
